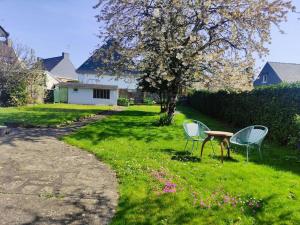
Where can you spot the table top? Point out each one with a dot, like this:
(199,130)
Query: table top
(219,133)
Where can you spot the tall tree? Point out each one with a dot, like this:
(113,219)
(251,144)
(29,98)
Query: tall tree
(179,41)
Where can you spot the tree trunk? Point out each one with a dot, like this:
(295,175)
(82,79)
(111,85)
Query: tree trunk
(163,107)
(161,102)
(171,106)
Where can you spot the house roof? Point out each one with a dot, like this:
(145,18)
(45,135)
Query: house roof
(97,60)
(50,63)
(87,86)
(288,72)
(3,33)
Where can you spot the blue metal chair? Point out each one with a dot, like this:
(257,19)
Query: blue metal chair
(250,137)
(195,132)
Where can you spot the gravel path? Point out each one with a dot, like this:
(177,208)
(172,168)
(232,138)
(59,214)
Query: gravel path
(45,181)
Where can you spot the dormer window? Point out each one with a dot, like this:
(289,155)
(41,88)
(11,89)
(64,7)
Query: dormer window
(264,78)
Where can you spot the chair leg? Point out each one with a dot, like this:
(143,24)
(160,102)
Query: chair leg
(187,141)
(247,153)
(193,146)
(259,150)
(212,146)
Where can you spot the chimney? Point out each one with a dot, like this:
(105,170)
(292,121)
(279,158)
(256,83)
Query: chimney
(65,55)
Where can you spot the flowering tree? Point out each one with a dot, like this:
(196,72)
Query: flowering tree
(22,79)
(181,41)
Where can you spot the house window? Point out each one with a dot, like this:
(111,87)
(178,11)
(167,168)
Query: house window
(75,89)
(264,78)
(101,93)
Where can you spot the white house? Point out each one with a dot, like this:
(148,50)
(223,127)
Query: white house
(86,94)
(92,89)
(58,69)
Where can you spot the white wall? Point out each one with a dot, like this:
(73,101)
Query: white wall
(50,80)
(85,97)
(122,83)
(65,68)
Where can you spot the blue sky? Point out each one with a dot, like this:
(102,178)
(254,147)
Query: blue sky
(53,26)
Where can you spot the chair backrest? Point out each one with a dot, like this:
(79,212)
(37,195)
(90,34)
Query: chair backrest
(250,135)
(191,129)
(195,128)
(257,133)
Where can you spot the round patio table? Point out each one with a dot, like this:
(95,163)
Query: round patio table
(223,136)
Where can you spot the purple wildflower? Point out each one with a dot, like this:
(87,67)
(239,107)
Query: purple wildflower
(169,188)
(202,204)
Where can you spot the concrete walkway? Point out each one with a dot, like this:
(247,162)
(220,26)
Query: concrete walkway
(45,181)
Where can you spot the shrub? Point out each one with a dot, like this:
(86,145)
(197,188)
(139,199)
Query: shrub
(149,101)
(49,96)
(163,120)
(131,101)
(277,107)
(125,101)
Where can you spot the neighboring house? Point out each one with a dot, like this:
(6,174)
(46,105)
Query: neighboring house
(276,72)
(59,69)
(7,53)
(88,72)
(93,89)
(86,94)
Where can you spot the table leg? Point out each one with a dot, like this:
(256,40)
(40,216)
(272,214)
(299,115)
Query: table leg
(222,149)
(204,142)
(227,146)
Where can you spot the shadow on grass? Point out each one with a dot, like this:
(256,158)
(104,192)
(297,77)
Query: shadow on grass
(129,208)
(45,116)
(128,124)
(98,210)
(174,214)
(225,158)
(182,156)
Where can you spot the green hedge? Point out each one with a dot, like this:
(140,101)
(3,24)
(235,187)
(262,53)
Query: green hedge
(277,107)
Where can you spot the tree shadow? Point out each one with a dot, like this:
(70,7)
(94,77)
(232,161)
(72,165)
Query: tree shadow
(175,214)
(87,209)
(37,134)
(285,216)
(41,117)
(132,126)
(128,208)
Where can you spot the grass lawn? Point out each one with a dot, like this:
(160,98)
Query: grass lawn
(47,114)
(160,184)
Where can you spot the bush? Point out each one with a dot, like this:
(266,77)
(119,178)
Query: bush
(149,101)
(164,119)
(125,101)
(49,96)
(15,96)
(277,107)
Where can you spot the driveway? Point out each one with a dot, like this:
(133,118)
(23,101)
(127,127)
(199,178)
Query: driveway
(45,181)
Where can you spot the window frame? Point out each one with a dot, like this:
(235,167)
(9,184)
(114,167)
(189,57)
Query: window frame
(264,78)
(101,93)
